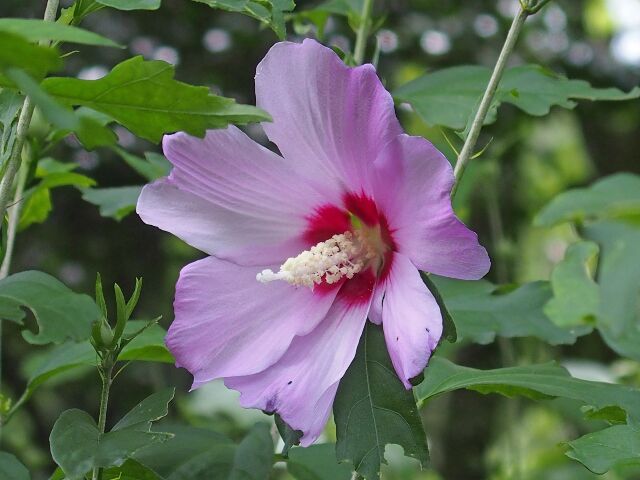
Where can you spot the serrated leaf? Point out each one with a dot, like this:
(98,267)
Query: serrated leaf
(613,197)
(317,462)
(576,296)
(151,409)
(447,97)
(35,30)
(61,314)
(270,12)
(89,131)
(131,4)
(601,451)
(152,167)
(17,52)
(77,445)
(12,469)
(547,380)
(372,409)
(114,202)
(130,470)
(481,311)
(144,97)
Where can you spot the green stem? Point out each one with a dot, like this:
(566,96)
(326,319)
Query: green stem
(26,113)
(467,150)
(363,32)
(102,416)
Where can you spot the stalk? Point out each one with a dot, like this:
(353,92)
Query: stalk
(526,8)
(106,375)
(363,32)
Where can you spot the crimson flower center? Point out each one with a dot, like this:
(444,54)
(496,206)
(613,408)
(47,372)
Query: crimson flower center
(340,257)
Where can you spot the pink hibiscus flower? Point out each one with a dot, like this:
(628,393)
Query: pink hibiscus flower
(306,246)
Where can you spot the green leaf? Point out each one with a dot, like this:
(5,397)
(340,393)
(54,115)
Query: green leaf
(152,167)
(192,454)
(449,331)
(144,97)
(11,468)
(613,197)
(89,131)
(253,458)
(481,311)
(61,313)
(341,7)
(601,451)
(618,319)
(447,97)
(533,381)
(372,409)
(10,104)
(114,202)
(131,4)
(270,12)
(17,52)
(130,470)
(77,445)
(576,296)
(151,409)
(36,30)
(317,462)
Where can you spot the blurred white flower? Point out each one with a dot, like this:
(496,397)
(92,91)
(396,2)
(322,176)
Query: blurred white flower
(216,40)
(142,46)
(387,41)
(625,47)
(166,54)
(92,73)
(435,42)
(554,18)
(580,54)
(485,25)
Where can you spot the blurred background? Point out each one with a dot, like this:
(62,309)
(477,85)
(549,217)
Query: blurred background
(529,161)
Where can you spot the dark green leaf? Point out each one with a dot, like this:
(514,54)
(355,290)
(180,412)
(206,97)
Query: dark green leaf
(144,97)
(534,381)
(253,458)
(270,12)
(10,104)
(61,313)
(603,450)
(372,409)
(114,202)
(576,296)
(35,30)
(131,4)
(151,409)
(89,131)
(17,52)
(12,469)
(615,196)
(77,445)
(447,97)
(449,331)
(317,462)
(481,311)
(130,470)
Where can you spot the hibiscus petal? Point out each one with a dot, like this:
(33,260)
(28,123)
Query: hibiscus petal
(328,119)
(229,324)
(230,197)
(412,189)
(302,384)
(411,319)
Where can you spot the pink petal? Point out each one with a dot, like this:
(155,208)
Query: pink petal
(302,384)
(328,119)
(413,189)
(229,324)
(231,197)
(411,319)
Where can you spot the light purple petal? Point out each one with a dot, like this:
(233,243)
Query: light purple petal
(230,197)
(411,319)
(229,324)
(328,119)
(413,189)
(302,384)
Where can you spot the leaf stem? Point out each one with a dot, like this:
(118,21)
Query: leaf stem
(26,113)
(363,32)
(490,92)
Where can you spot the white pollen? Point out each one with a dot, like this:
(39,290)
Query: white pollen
(341,256)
